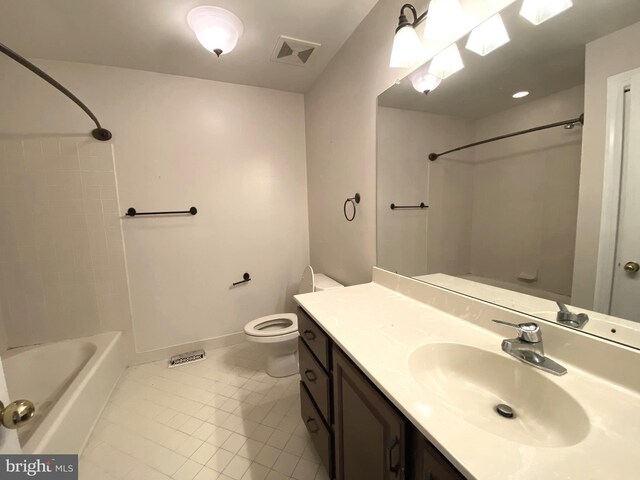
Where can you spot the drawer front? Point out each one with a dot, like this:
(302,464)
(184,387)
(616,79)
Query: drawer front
(316,380)
(315,338)
(318,431)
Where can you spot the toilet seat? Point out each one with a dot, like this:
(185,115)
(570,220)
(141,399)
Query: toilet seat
(276,327)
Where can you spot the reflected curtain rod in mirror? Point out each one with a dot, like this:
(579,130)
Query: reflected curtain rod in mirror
(99,133)
(568,124)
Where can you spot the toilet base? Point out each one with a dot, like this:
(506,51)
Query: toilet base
(279,366)
(281,353)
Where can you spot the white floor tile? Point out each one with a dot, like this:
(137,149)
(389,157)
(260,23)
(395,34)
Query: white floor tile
(237,467)
(220,419)
(189,470)
(286,463)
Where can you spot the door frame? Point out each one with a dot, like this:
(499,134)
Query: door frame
(616,87)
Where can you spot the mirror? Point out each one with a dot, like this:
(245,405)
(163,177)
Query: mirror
(540,212)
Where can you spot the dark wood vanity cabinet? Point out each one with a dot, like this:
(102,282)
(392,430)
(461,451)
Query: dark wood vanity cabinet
(369,433)
(357,432)
(427,462)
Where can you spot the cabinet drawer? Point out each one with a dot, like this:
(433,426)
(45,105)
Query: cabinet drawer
(315,338)
(318,431)
(316,380)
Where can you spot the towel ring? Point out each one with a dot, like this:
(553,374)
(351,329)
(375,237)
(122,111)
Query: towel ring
(354,201)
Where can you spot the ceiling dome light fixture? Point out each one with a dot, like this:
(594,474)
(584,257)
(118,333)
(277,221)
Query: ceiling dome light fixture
(423,81)
(521,94)
(539,11)
(217,29)
(488,36)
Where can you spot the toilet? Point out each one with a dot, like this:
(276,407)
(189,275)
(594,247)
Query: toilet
(278,334)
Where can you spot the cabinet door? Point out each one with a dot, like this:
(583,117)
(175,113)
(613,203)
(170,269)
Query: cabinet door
(428,462)
(369,433)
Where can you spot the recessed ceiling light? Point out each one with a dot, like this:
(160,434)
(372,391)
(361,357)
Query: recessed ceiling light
(522,94)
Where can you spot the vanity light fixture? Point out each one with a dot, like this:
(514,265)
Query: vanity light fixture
(521,94)
(446,21)
(488,36)
(407,47)
(423,81)
(217,29)
(447,62)
(539,11)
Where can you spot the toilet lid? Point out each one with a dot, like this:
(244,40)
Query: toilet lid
(272,325)
(307,281)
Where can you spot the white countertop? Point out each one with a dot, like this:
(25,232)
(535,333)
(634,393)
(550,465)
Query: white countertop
(379,328)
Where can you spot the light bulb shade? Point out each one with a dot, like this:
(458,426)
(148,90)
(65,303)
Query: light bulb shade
(423,81)
(217,29)
(488,36)
(445,22)
(407,48)
(447,62)
(538,11)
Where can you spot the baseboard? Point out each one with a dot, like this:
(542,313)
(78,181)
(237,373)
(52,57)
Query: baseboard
(208,344)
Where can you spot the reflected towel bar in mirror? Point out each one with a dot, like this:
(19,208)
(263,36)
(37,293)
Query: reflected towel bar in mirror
(422,206)
(133,213)
(567,124)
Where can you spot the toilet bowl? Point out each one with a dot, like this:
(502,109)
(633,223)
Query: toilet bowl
(278,334)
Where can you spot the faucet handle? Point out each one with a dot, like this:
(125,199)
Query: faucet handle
(528,332)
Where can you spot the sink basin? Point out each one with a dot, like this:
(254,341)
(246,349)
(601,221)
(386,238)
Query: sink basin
(472,382)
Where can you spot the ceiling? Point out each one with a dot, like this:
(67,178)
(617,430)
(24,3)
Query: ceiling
(153,35)
(542,59)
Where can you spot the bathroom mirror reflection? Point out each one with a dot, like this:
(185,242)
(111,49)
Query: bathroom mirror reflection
(537,220)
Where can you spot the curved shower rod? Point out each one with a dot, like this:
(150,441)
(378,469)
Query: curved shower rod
(99,133)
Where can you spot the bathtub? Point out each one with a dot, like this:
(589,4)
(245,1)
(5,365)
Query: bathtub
(69,382)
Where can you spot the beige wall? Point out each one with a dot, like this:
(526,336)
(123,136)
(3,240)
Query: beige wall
(415,242)
(235,152)
(605,57)
(340,113)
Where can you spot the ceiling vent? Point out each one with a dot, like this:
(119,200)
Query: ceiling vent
(293,51)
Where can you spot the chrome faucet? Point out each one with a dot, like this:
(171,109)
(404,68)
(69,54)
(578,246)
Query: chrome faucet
(527,347)
(567,317)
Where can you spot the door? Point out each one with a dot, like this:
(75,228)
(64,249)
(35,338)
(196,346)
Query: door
(369,433)
(625,294)
(8,438)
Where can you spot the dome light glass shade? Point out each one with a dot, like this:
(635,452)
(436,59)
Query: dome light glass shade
(539,11)
(488,36)
(423,81)
(447,62)
(407,48)
(217,29)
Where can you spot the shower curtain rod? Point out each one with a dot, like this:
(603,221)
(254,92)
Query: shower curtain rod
(567,123)
(99,133)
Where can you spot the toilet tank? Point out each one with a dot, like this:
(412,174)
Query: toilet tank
(322,282)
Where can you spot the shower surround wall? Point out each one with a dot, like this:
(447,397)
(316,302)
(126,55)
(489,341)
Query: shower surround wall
(62,269)
(237,153)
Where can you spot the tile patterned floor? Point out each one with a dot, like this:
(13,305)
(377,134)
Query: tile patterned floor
(220,419)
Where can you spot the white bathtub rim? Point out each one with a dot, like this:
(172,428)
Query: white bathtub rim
(58,413)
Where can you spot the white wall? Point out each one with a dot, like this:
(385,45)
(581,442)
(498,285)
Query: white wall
(605,57)
(340,114)
(415,242)
(62,269)
(235,152)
